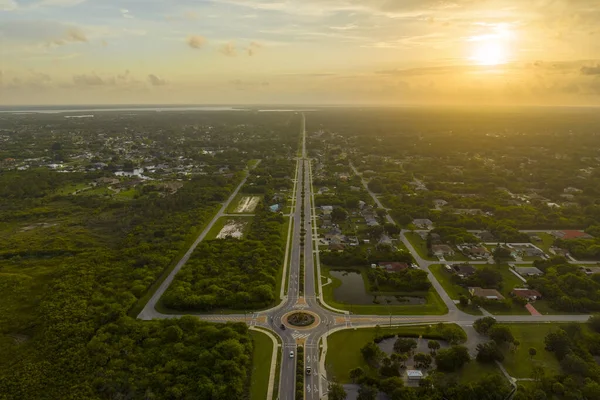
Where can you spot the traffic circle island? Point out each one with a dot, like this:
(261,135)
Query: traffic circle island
(301,320)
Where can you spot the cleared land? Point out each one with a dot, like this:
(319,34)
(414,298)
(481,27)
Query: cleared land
(247,204)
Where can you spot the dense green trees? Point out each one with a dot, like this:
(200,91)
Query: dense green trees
(232,273)
(566,286)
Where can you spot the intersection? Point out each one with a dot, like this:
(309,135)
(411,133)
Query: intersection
(306,294)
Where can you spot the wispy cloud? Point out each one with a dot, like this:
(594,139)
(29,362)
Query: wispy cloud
(125,13)
(195,41)
(228,49)
(8,5)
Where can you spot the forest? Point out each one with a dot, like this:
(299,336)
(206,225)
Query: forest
(76,256)
(232,273)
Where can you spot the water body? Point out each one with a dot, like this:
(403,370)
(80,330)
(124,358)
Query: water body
(352,291)
(130,108)
(69,109)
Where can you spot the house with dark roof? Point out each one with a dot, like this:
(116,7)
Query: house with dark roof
(463,270)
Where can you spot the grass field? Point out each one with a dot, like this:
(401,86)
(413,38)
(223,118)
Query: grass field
(343,353)
(261,365)
(445,279)
(420,245)
(519,364)
(434,304)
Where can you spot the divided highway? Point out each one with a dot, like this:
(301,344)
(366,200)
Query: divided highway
(314,338)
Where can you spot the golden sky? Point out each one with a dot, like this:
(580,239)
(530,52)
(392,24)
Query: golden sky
(372,52)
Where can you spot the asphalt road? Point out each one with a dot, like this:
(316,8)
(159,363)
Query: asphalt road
(315,385)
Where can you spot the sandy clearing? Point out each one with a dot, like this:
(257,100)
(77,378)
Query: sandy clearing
(247,204)
(235,229)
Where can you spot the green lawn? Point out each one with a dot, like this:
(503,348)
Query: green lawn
(261,365)
(445,279)
(546,243)
(420,245)
(343,353)
(433,306)
(519,364)
(509,280)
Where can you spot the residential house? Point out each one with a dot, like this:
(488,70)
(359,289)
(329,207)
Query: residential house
(486,237)
(527,294)
(439,203)
(569,234)
(423,223)
(528,271)
(385,240)
(476,251)
(463,270)
(326,209)
(336,247)
(414,374)
(442,250)
(354,189)
(489,294)
(572,190)
(275,207)
(392,266)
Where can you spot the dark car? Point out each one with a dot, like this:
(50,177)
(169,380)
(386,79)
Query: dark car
(282,327)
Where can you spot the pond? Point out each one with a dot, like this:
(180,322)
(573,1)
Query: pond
(352,291)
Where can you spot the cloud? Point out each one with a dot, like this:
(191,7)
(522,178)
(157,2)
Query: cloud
(195,41)
(76,35)
(156,81)
(228,49)
(88,80)
(8,5)
(253,48)
(58,3)
(591,70)
(125,13)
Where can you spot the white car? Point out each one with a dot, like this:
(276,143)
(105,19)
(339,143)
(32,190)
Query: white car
(292,354)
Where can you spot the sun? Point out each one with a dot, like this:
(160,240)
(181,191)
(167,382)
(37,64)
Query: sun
(489,52)
(492,44)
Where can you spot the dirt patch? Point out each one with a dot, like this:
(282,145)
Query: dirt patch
(234,229)
(247,204)
(34,226)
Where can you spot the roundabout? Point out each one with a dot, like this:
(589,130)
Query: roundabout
(304,320)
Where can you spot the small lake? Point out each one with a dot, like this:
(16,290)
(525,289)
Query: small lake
(352,291)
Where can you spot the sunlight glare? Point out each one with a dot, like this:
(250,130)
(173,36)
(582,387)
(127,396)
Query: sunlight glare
(491,48)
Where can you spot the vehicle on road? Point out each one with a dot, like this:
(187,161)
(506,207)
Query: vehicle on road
(282,327)
(292,354)
(308,370)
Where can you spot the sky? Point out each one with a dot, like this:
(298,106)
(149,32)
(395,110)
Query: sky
(362,52)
